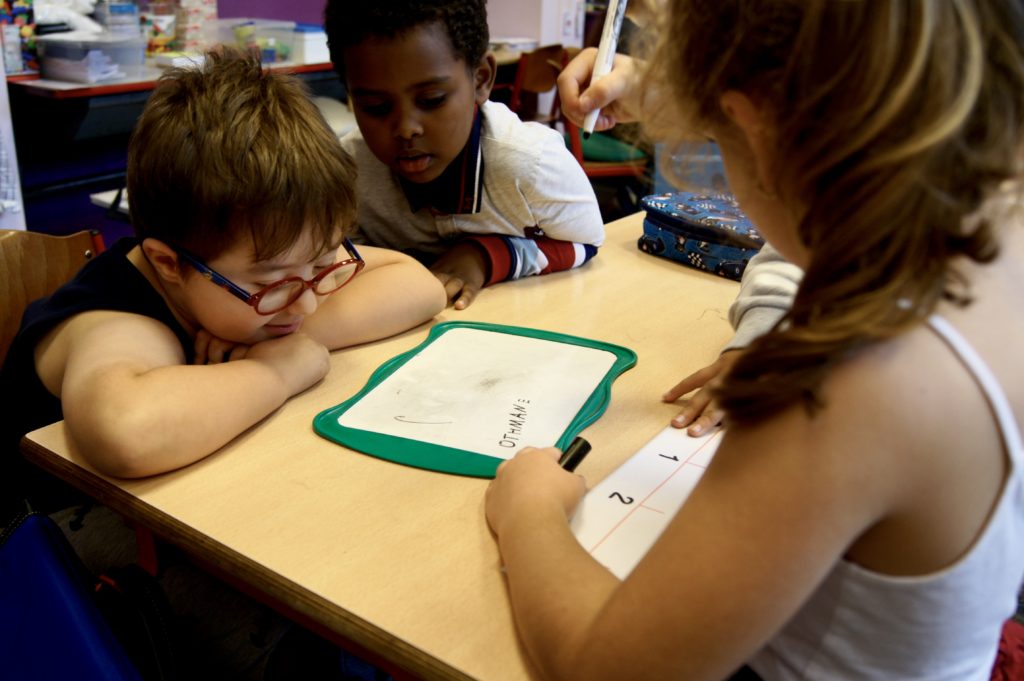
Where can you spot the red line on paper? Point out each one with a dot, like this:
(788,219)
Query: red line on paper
(656,510)
(654,491)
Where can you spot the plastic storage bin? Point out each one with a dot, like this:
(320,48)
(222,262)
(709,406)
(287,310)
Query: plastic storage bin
(121,18)
(310,46)
(91,57)
(273,39)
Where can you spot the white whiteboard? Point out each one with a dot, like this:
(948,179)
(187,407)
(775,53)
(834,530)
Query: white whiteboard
(484,392)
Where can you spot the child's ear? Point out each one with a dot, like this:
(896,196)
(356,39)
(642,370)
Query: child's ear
(483,77)
(163,259)
(753,123)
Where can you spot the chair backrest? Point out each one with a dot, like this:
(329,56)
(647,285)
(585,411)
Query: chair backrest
(34,265)
(626,168)
(536,73)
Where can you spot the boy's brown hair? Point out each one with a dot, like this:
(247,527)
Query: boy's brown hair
(227,150)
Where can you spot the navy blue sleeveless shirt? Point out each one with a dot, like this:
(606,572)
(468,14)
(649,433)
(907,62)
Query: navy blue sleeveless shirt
(108,282)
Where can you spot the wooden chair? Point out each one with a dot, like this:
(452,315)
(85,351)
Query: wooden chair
(537,74)
(629,168)
(34,265)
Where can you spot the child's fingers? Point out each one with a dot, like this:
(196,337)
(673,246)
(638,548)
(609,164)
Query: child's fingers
(709,418)
(552,453)
(453,287)
(468,296)
(600,95)
(693,408)
(201,346)
(701,414)
(695,380)
(218,351)
(212,350)
(575,74)
(605,122)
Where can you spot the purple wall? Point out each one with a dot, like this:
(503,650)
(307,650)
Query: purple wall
(302,11)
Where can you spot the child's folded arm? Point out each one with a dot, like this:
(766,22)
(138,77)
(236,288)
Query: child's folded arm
(134,408)
(512,257)
(393,293)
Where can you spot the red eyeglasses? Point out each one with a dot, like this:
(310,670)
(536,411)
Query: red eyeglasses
(280,294)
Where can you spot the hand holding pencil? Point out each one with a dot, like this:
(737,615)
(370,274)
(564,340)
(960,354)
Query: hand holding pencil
(614,15)
(615,95)
(535,483)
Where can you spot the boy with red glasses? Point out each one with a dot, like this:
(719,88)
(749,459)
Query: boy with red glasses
(240,281)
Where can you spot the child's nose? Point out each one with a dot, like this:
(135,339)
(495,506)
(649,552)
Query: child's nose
(408,124)
(305,304)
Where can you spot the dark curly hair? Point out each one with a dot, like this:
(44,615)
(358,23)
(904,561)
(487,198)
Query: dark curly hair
(350,22)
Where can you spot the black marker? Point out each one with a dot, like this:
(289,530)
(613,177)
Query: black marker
(574,454)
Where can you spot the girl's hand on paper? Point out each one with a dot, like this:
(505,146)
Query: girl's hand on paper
(615,94)
(530,488)
(700,412)
(462,270)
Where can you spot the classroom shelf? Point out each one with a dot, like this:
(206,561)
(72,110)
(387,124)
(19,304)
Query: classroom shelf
(72,141)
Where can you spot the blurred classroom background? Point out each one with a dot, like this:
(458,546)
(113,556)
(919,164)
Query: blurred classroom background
(71,137)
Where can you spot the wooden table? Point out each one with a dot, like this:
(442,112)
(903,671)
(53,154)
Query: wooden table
(400,560)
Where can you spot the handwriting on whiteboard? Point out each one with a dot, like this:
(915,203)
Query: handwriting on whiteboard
(622,516)
(484,392)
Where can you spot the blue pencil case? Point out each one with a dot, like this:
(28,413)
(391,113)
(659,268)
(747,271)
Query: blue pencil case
(705,231)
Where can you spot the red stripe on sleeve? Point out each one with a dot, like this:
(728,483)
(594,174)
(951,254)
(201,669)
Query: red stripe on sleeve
(496,252)
(561,255)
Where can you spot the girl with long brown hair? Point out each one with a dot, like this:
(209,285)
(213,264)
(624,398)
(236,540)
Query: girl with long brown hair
(863,517)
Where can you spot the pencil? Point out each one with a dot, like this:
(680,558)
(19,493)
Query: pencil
(605,54)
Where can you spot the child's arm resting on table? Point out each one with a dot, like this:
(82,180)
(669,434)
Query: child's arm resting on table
(134,408)
(767,289)
(513,257)
(766,292)
(566,228)
(483,260)
(392,294)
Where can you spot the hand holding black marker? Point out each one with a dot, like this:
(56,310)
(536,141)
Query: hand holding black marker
(574,454)
(605,54)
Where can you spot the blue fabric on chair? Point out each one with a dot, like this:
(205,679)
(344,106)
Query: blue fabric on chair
(50,627)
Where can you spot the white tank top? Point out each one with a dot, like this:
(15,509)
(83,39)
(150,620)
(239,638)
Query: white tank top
(861,624)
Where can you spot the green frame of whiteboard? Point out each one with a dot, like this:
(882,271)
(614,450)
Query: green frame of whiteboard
(436,457)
